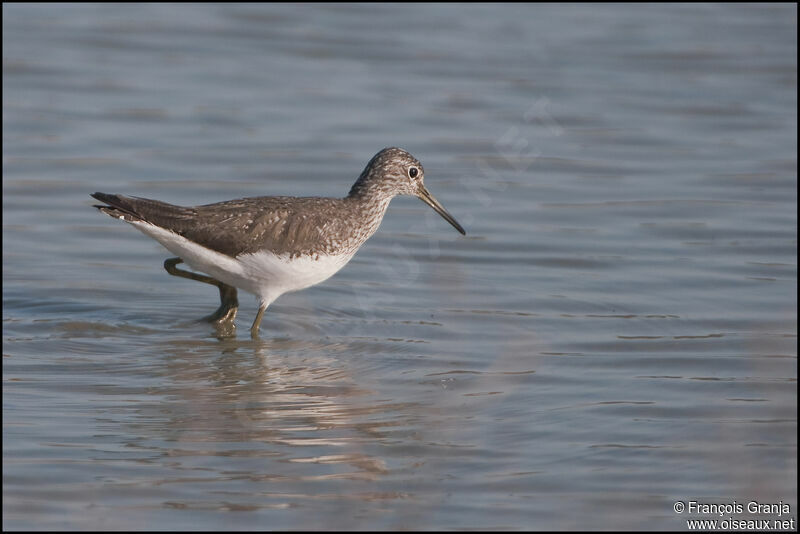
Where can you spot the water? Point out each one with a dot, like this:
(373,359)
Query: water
(617,331)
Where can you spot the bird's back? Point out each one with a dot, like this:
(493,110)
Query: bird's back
(283,225)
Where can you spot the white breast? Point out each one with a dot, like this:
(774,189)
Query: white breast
(278,273)
(264,273)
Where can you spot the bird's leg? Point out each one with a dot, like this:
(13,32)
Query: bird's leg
(229,303)
(254,329)
(228,306)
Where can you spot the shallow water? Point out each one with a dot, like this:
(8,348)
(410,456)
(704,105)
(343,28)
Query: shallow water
(616,332)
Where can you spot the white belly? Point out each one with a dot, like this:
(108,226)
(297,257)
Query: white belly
(262,273)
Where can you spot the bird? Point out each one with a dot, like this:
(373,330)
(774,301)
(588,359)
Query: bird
(272,245)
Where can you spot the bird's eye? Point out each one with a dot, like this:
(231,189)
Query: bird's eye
(413,172)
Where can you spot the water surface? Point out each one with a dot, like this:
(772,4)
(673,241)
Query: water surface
(616,332)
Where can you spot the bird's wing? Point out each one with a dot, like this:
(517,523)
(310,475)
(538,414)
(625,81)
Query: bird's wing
(233,227)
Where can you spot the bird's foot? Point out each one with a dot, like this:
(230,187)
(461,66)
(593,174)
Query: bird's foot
(229,305)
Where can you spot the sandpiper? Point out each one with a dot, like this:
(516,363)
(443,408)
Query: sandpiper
(269,246)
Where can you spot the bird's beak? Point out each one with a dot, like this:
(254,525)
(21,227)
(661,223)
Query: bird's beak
(428,199)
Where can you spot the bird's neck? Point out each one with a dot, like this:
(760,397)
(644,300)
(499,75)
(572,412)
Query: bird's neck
(369,208)
(362,186)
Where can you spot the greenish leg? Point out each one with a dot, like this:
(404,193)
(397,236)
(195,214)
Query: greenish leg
(257,321)
(229,303)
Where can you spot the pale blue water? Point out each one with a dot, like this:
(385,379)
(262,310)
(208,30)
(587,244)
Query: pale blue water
(617,331)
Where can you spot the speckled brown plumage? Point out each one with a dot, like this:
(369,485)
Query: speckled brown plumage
(294,225)
(280,224)
(271,245)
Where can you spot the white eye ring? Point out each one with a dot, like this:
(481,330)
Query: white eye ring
(413,172)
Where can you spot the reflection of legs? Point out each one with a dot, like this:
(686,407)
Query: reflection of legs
(254,329)
(229,303)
